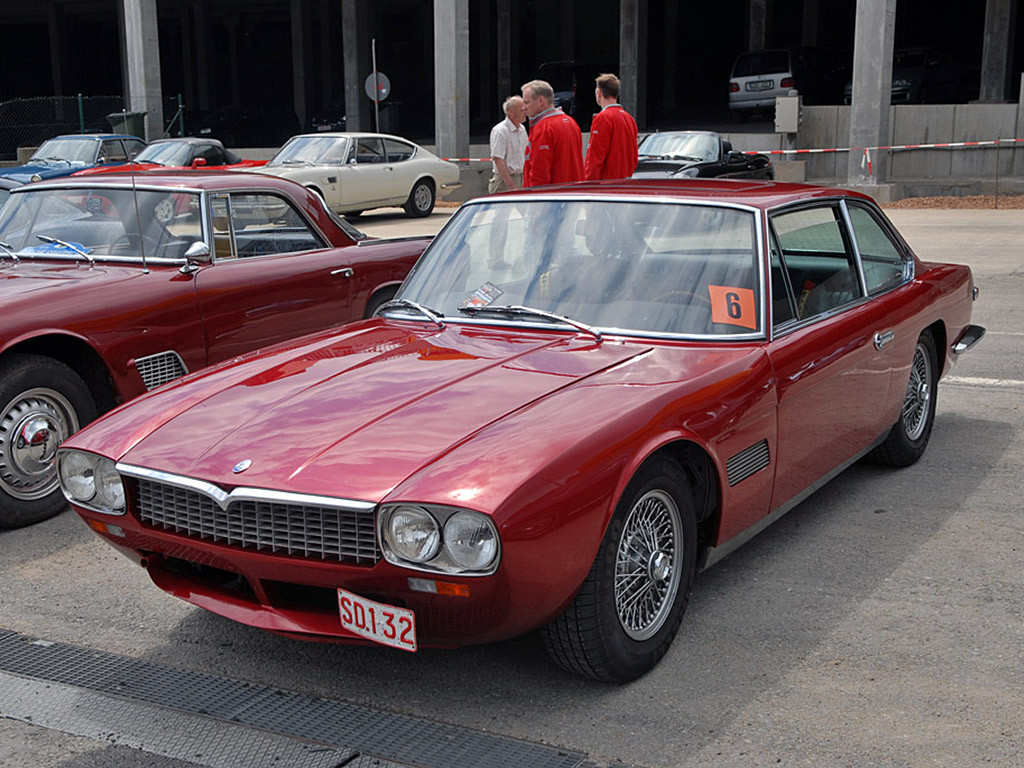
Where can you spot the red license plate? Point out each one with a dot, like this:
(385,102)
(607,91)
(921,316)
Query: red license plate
(379,622)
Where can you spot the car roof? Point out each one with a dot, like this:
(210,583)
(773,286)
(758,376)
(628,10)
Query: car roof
(171,179)
(185,140)
(754,193)
(94,136)
(351,135)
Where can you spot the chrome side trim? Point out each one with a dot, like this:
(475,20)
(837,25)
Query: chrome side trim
(222,498)
(713,555)
(972,335)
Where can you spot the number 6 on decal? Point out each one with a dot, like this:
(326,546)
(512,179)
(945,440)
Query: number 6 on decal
(733,306)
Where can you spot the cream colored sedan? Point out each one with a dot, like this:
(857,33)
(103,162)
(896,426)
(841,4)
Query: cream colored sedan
(357,171)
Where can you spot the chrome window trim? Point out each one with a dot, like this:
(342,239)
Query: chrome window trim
(889,231)
(223,498)
(758,247)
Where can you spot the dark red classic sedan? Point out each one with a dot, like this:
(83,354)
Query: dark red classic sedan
(581,396)
(111,287)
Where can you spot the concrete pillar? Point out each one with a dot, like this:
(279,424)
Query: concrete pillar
(55,26)
(757,31)
(633,58)
(872,89)
(355,33)
(503,50)
(300,28)
(202,53)
(142,63)
(451,77)
(997,52)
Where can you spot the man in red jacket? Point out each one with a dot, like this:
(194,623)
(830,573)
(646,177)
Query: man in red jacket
(611,153)
(555,151)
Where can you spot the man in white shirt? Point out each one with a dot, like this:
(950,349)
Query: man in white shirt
(508,148)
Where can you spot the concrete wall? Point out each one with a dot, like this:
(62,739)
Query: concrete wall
(829,127)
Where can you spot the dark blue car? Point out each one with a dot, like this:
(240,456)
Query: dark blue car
(63,155)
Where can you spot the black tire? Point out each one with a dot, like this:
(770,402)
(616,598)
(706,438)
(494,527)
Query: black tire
(592,637)
(909,436)
(421,199)
(378,299)
(42,402)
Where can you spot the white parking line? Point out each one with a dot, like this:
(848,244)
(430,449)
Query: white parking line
(975,381)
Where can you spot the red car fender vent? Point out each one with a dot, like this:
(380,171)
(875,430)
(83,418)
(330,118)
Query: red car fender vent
(788,82)
(747,462)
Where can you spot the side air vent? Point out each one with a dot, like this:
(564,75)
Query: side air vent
(160,368)
(747,462)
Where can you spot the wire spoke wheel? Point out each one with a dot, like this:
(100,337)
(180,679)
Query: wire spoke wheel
(647,572)
(916,404)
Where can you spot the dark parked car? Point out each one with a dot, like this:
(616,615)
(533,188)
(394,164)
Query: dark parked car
(924,76)
(165,154)
(110,288)
(692,154)
(759,76)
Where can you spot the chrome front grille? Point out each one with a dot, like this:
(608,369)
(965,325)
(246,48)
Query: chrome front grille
(306,530)
(160,368)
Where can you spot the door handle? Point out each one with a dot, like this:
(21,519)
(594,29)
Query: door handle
(344,272)
(883,337)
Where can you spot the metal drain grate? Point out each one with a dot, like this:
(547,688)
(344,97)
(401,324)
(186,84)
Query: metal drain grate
(400,738)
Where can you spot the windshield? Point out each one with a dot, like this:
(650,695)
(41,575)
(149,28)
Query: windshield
(171,153)
(312,150)
(629,266)
(911,58)
(70,150)
(698,146)
(100,222)
(761,63)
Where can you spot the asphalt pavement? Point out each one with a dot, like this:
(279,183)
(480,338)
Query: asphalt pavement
(880,623)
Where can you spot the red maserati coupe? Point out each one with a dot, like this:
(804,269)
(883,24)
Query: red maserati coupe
(580,396)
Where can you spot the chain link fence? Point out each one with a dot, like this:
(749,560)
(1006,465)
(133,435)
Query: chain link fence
(29,122)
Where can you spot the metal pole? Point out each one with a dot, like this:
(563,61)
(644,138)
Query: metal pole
(181,115)
(999,144)
(81,115)
(376,86)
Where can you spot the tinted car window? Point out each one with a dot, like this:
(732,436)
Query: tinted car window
(113,151)
(761,63)
(882,261)
(817,259)
(134,147)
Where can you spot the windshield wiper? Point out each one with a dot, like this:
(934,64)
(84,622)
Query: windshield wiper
(296,162)
(69,246)
(9,251)
(520,311)
(59,160)
(428,312)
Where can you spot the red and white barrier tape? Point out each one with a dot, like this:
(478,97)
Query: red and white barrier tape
(940,145)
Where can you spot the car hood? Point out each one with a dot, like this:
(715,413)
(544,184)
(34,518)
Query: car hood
(24,173)
(352,414)
(30,277)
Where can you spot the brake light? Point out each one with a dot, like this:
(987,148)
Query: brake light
(788,82)
(734,87)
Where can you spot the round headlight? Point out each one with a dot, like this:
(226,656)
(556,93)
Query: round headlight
(413,534)
(35,177)
(109,489)
(470,540)
(78,475)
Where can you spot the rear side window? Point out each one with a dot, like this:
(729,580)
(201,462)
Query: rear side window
(883,262)
(761,63)
(817,259)
(397,150)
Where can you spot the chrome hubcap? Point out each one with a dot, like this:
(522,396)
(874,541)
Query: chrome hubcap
(422,198)
(916,404)
(32,427)
(647,568)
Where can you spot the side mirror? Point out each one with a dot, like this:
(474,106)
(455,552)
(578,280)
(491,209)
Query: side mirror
(199,162)
(198,252)
(101,161)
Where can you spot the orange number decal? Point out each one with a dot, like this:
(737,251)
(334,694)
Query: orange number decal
(733,306)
